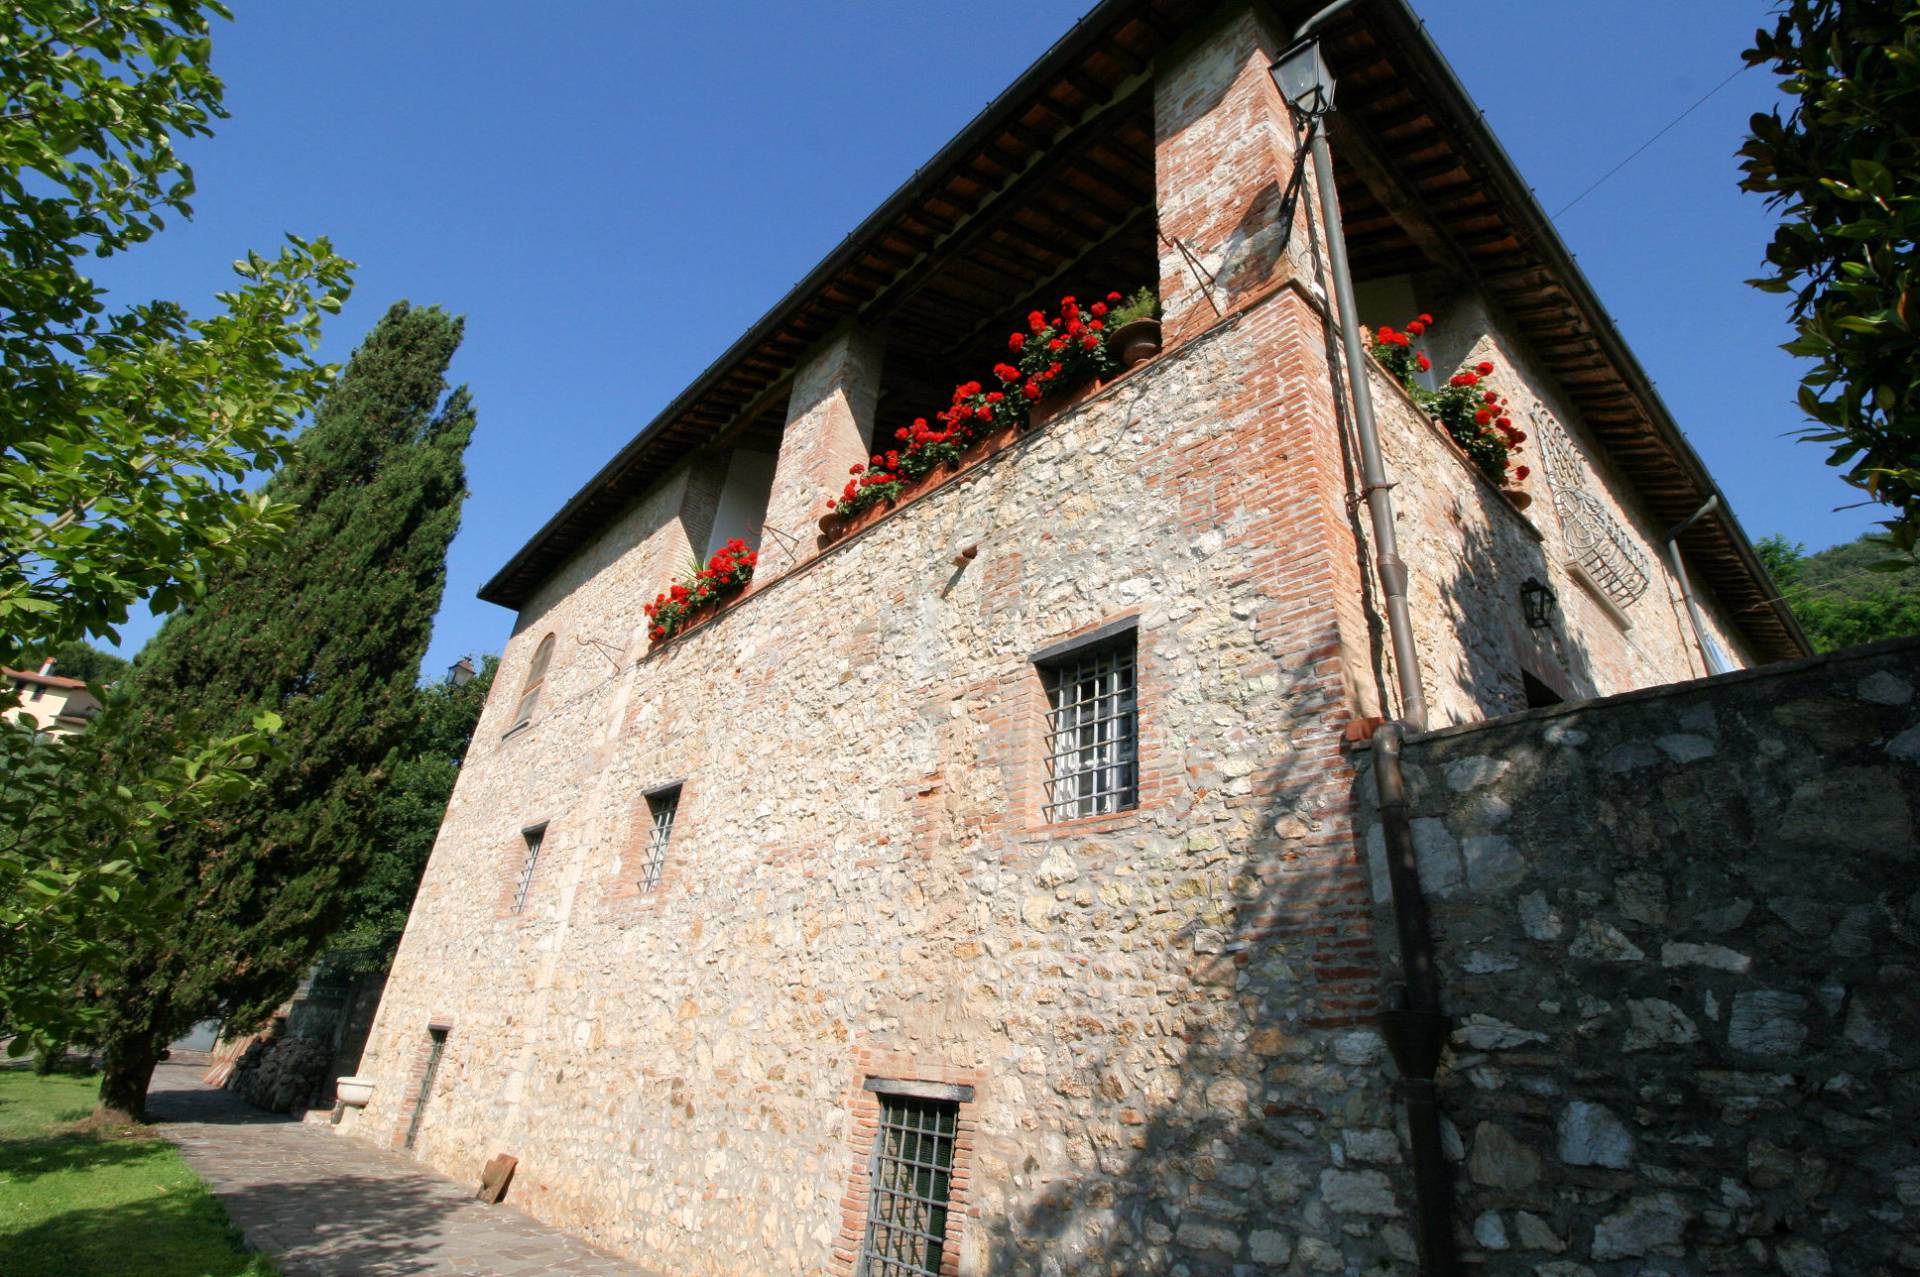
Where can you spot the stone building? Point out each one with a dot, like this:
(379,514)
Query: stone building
(813,940)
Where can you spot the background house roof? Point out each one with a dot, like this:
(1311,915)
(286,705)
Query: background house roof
(45,680)
(1423,183)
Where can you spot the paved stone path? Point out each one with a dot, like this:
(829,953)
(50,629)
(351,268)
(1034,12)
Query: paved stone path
(327,1206)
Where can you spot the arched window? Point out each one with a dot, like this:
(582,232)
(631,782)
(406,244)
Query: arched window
(536,677)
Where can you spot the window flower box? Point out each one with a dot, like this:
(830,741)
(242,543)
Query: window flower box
(1051,365)
(1473,414)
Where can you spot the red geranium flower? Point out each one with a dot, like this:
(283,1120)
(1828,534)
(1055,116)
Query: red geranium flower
(1098,309)
(1483,367)
(1521,472)
(1427,320)
(1425,363)
(1090,341)
(1031,390)
(1036,320)
(1464,379)
(1015,342)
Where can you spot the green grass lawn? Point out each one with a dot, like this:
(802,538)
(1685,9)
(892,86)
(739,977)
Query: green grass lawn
(101,1204)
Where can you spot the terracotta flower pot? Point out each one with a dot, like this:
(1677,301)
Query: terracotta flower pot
(1135,341)
(1056,404)
(838,527)
(990,444)
(1519,498)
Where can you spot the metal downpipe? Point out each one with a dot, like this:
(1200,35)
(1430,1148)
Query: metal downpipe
(1373,470)
(1414,1026)
(1707,660)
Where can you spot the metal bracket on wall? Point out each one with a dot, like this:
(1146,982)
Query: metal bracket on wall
(1201,275)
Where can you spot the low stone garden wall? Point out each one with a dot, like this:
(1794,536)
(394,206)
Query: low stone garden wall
(1679,934)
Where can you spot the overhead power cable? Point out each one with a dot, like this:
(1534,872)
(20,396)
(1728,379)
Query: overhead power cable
(1649,142)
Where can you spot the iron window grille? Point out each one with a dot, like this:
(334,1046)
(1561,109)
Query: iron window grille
(1093,731)
(534,836)
(910,1188)
(663,805)
(437,1039)
(1595,539)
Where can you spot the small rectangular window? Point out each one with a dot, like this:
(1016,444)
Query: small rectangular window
(910,1188)
(437,1046)
(534,836)
(662,805)
(1093,730)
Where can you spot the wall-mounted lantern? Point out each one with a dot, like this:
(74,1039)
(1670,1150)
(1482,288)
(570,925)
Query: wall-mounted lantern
(1305,83)
(1537,601)
(460,673)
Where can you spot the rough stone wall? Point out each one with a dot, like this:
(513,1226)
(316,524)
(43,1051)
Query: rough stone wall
(1166,1011)
(1679,933)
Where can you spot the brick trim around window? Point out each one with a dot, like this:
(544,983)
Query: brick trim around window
(512,864)
(1023,712)
(441,1027)
(626,888)
(877,1076)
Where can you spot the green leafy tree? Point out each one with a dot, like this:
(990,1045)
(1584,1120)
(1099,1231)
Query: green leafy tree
(406,817)
(328,629)
(1844,169)
(127,438)
(82,660)
(1843,596)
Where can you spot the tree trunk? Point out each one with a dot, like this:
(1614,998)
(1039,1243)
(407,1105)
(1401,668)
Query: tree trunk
(123,1088)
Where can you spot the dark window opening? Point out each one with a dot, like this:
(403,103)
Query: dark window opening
(534,836)
(1093,730)
(1539,695)
(662,805)
(910,1188)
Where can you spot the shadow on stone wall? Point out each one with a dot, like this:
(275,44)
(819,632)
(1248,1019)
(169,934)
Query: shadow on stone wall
(1479,590)
(1679,931)
(1266,1139)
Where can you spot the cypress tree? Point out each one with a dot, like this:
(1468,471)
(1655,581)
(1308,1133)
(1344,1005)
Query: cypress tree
(328,631)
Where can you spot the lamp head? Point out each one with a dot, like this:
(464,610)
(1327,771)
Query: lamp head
(1304,81)
(1537,601)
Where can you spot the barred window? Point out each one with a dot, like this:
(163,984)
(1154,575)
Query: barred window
(1093,729)
(663,805)
(910,1188)
(534,836)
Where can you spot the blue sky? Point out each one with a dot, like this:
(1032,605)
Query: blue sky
(611,192)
